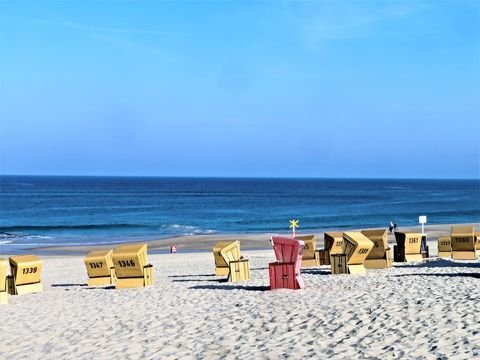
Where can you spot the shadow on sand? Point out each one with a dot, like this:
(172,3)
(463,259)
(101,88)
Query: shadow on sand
(232,287)
(317,271)
(200,280)
(454,275)
(440,263)
(190,275)
(67,286)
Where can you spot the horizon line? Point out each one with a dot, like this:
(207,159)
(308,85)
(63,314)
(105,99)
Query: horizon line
(239,177)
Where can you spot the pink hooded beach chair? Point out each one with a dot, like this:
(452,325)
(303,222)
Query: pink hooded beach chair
(285,273)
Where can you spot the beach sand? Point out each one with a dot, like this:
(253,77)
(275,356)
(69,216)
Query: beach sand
(426,310)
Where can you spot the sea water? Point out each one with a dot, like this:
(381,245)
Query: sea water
(49,211)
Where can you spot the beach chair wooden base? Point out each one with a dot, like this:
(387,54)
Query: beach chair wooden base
(400,256)
(464,255)
(3,281)
(357,269)
(100,281)
(378,263)
(103,280)
(283,276)
(136,282)
(413,257)
(4,290)
(306,263)
(445,254)
(222,271)
(339,264)
(3,298)
(25,289)
(239,270)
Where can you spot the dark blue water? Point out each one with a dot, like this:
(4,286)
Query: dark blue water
(46,211)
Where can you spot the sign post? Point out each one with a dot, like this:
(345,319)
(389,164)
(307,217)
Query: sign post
(422,220)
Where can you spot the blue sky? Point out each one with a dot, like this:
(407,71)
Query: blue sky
(303,89)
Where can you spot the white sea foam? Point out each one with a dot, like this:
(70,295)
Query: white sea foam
(178,226)
(180,229)
(37,237)
(202,231)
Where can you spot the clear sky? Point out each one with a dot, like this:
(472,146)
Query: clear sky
(220,88)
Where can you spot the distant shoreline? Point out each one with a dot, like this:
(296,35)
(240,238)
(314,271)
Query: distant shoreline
(199,243)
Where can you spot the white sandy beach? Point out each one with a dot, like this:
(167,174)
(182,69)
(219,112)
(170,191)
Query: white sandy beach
(416,311)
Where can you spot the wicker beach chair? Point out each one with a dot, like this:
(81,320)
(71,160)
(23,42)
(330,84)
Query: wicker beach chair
(408,248)
(100,269)
(310,254)
(26,275)
(381,255)
(464,243)
(231,254)
(356,247)
(238,267)
(131,268)
(444,246)
(221,265)
(286,271)
(334,242)
(477,235)
(3,281)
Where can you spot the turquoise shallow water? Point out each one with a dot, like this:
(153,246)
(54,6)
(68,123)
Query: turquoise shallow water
(47,211)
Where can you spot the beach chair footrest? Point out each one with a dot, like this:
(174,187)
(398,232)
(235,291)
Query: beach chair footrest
(222,271)
(100,281)
(310,262)
(444,254)
(26,289)
(239,270)
(464,255)
(413,257)
(378,263)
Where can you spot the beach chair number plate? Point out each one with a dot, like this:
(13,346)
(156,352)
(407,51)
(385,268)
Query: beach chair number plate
(126,263)
(31,270)
(413,241)
(363,251)
(97,265)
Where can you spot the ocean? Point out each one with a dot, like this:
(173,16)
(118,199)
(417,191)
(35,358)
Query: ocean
(56,210)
